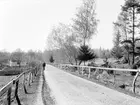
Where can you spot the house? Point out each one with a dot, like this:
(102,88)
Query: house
(12,63)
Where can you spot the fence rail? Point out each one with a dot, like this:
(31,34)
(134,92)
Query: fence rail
(89,69)
(10,90)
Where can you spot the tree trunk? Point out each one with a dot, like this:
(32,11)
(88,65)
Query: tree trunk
(70,61)
(76,61)
(128,57)
(133,36)
(80,62)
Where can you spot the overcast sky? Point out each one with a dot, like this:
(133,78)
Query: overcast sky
(25,24)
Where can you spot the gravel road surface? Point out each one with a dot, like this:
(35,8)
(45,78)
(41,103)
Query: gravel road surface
(72,90)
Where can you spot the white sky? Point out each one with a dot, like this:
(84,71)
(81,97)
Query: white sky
(25,24)
(107,13)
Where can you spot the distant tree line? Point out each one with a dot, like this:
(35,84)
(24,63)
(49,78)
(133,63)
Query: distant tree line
(31,58)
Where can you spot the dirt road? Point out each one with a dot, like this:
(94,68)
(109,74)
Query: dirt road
(71,90)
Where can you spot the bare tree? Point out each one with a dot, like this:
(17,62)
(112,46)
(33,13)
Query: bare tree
(62,37)
(85,23)
(4,57)
(70,38)
(18,56)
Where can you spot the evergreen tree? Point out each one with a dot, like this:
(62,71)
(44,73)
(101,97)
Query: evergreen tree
(117,50)
(123,25)
(85,54)
(51,59)
(132,7)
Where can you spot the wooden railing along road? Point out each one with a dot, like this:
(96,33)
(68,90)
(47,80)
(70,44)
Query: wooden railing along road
(89,69)
(10,91)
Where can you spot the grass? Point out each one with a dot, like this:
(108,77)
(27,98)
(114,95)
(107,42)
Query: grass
(26,99)
(32,92)
(4,80)
(123,82)
(9,71)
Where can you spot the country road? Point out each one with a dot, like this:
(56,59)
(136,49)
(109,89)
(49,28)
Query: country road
(68,89)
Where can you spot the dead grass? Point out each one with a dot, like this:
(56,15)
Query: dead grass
(8,74)
(31,96)
(5,79)
(119,81)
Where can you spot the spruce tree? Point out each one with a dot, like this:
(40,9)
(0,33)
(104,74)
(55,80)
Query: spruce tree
(117,50)
(85,54)
(132,7)
(51,59)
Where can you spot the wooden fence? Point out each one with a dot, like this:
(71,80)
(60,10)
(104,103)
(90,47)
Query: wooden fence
(10,91)
(89,69)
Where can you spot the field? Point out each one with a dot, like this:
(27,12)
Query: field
(9,73)
(4,80)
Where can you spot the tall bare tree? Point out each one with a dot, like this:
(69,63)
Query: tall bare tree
(62,37)
(85,23)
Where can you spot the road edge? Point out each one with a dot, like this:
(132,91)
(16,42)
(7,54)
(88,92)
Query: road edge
(46,93)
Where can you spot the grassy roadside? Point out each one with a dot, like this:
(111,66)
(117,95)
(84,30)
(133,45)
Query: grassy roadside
(31,96)
(46,94)
(109,85)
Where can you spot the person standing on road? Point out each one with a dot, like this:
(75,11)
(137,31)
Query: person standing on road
(44,64)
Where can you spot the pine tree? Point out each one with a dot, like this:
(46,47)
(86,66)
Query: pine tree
(117,50)
(85,54)
(51,59)
(132,7)
(123,25)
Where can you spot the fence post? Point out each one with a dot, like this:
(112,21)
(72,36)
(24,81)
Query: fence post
(134,82)
(29,79)
(16,93)
(9,96)
(82,70)
(89,73)
(25,90)
(35,71)
(32,76)
(114,76)
(79,70)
